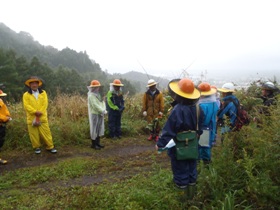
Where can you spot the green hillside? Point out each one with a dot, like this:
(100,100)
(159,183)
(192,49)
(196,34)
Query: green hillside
(66,71)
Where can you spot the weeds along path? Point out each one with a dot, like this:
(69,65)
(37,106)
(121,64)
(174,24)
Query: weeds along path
(129,156)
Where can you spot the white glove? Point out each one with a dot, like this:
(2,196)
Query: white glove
(104,112)
(144,113)
(10,119)
(160,113)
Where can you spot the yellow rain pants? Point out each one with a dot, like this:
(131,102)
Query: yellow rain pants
(31,105)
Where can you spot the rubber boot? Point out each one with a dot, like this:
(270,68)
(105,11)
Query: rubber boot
(98,142)
(94,145)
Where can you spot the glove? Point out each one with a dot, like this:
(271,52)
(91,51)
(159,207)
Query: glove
(38,114)
(160,113)
(144,113)
(104,112)
(10,119)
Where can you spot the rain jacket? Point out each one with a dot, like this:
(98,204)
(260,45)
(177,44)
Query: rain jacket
(31,105)
(115,100)
(181,118)
(228,109)
(95,104)
(153,104)
(4,112)
(96,110)
(115,105)
(210,109)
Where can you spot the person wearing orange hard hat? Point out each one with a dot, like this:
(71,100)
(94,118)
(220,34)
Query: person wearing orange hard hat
(208,104)
(35,103)
(153,107)
(185,116)
(96,112)
(5,117)
(115,105)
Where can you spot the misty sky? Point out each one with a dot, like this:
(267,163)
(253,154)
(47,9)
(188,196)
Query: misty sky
(164,37)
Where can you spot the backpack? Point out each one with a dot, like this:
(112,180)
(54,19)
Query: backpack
(242,117)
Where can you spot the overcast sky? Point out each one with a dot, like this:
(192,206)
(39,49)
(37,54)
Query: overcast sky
(163,37)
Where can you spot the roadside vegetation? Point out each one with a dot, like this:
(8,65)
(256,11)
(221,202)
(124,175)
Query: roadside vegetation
(244,173)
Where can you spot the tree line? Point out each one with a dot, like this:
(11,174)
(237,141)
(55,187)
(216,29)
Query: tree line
(15,70)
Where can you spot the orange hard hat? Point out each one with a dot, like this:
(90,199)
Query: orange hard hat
(186,85)
(184,88)
(213,86)
(206,89)
(95,83)
(117,82)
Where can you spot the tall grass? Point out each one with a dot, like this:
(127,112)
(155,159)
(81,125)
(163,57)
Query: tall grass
(244,173)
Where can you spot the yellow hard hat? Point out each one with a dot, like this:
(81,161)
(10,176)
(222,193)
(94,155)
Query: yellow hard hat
(184,88)
(33,79)
(206,89)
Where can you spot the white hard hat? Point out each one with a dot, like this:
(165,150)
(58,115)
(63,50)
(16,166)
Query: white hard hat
(151,82)
(268,86)
(227,87)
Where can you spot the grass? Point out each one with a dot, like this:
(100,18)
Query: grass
(244,173)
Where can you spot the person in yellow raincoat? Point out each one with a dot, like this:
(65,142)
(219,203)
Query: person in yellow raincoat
(5,117)
(35,102)
(153,107)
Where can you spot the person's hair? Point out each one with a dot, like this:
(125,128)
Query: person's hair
(227,93)
(185,101)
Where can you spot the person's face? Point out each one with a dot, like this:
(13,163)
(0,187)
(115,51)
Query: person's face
(34,85)
(265,92)
(224,94)
(116,88)
(95,89)
(152,88)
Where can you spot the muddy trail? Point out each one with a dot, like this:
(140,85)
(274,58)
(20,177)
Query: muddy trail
(123,152)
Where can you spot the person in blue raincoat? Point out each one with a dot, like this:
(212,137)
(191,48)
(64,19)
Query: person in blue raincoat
(115,105)
(228,109)
(183,117)
(210,108)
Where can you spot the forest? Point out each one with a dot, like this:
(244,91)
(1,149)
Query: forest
(65,70)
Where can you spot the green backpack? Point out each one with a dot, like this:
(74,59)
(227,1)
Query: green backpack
(187,143)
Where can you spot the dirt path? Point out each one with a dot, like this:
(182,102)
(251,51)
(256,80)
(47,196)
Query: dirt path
(122,151)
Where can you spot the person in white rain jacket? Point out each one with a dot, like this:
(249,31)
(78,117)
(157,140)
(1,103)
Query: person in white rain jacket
(96,112)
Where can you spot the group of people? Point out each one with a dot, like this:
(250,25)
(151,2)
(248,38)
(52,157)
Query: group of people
(199,109)
(35,103)
(194,109)
(97,109)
